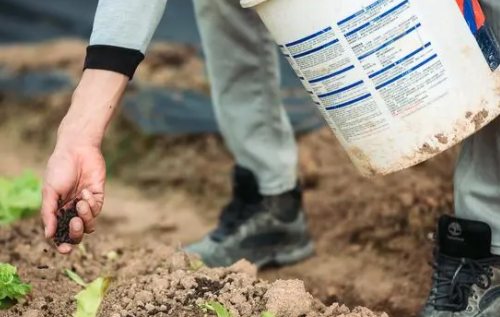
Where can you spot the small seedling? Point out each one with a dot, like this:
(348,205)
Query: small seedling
(112,255)
(12,290)
(221,311)
(195,265)
(82,249)
(90,298)
(19,197)
(75,277)
(217,308)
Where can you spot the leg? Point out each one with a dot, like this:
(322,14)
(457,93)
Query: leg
(263,222)
(467,258)
(242,64)
(477,175)
(467,244)
(477,180)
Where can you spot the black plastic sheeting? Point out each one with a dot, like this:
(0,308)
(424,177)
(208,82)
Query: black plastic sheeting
(156,111)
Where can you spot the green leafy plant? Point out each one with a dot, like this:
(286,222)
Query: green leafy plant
(221,311)
(19,197)
(12,290)
(90,298)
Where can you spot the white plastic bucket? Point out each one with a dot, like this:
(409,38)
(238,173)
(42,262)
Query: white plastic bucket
(398,81)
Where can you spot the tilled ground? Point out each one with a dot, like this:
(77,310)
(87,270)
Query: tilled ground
(148,281)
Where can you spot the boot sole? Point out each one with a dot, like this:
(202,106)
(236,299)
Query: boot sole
(288,257)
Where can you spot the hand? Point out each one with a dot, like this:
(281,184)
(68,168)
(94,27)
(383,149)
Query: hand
(72,172)
(76,169)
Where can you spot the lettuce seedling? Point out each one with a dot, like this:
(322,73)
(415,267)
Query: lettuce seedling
(217,308)
(222,311)
(12,290)
(19,197)
(88,300)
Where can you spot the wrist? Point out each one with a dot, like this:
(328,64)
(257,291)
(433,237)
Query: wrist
(79,131)
(93,104)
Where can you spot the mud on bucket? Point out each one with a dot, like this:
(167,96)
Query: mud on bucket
(398,81)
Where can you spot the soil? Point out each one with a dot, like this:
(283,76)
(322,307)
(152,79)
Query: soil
(372,235)
(63,219)
(167,284)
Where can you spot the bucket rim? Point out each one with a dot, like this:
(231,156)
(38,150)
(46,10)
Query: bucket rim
(251,3)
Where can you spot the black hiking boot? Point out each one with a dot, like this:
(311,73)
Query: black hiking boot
(265,230)
(466,280)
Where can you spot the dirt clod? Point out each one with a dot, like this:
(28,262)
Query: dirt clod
(288,298)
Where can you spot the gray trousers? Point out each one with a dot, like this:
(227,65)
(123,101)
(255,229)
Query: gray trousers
(477,174)
(242,65)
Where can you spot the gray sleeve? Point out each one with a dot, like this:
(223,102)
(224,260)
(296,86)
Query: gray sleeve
(121,34)
(127,23)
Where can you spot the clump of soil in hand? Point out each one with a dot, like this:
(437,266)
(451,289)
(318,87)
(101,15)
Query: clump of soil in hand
(63,220)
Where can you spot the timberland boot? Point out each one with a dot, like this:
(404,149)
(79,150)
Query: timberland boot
(466,279)
(265,230)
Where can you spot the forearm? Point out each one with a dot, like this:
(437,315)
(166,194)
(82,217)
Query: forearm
(93,104)
(121,34)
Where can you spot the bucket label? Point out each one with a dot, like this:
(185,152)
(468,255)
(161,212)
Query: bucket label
(379,55)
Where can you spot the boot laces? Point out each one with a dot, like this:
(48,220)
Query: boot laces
(453,279)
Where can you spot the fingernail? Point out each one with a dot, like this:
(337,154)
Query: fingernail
(77,227)
(65,249)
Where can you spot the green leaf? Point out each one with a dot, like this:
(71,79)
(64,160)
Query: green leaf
(89,300)
(19,197)
(267,314)
(7,273)
(213,306)
(12,290)
(112,255)
(196,265)
(75,277)
(82,249)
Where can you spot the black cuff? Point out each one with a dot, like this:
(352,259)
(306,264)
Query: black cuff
(118,59)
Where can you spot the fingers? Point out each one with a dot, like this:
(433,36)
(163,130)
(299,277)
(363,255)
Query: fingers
(85,213)
(95,207)
(88,208)
(48,212)
(76,229)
